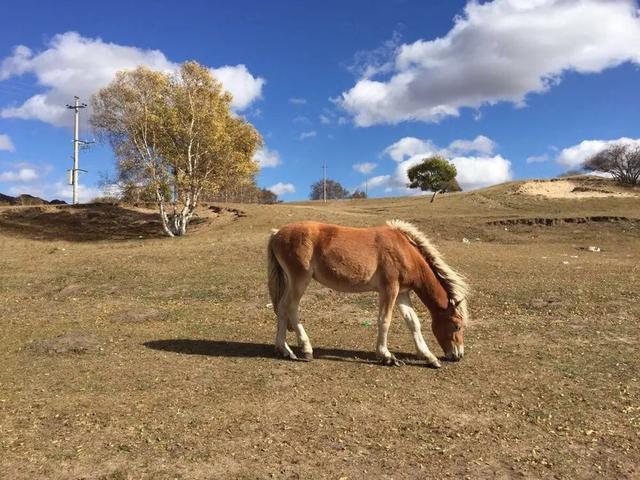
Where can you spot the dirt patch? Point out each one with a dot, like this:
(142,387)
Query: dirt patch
(233,212)
(137,315)
(559,221)
(568,189)
(71,342)
(70,290)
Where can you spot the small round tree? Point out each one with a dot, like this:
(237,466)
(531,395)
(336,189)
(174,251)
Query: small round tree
(620,160)
(434,174)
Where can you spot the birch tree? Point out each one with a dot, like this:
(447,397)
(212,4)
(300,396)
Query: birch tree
(175,132)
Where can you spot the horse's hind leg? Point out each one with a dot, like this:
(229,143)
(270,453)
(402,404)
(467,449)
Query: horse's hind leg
(288,316)
(294,321)
(413,322)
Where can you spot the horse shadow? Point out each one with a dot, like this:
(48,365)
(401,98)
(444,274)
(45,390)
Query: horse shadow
(232,349)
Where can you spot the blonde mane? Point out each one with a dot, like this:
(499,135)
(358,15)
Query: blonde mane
(452,281)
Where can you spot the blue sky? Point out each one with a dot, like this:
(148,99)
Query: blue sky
(506,89)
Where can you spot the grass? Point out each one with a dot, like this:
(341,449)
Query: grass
(126,357)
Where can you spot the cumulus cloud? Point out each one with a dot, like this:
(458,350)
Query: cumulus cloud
(76,65)
(267,158)
(25,174)
(364,167)
(240,83)
(6,143)
(282,188)
(574,156)
(496,51)
(474,171)
(305,135)
(479,144)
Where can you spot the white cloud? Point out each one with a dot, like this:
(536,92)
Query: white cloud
(365,167)
(298,101)
(238,81)
(478,172)
(6,143)
(25,174)
(480,144)
(325,120)
(408,147)
(538,158)
(379,181)
(305,135)
(75,65)
(497,51)
(267,158)
(85,193)
(282,188)
(301,120)
(574,156)
(474,171)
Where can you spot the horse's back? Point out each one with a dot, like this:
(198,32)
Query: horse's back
(343,258)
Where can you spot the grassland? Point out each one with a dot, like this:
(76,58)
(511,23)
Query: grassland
(124,354)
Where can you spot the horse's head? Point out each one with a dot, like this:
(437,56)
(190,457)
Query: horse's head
(448,327)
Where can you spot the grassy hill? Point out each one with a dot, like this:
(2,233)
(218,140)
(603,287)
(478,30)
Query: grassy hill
(129,355)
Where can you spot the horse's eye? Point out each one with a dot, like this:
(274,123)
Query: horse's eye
(456,328)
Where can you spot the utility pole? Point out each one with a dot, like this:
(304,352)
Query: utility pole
(73,177)
(324,181)
(366,186)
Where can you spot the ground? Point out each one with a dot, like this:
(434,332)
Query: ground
(127,355)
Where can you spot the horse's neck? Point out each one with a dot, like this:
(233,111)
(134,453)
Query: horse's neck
(431,292)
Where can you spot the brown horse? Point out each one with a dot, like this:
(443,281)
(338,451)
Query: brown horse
(392,259)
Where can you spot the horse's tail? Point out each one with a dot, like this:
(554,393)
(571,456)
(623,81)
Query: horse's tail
(277,279)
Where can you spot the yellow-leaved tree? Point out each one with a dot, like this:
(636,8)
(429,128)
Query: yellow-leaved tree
(175,134)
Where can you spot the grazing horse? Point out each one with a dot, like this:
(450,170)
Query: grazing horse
(393,260)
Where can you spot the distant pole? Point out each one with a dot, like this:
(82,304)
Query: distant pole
(366,186)
(324,181)
(76,144)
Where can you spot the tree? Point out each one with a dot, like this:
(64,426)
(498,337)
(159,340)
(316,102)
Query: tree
(436,174)
(175,133)
(358,194)
(622,161)
(335,191)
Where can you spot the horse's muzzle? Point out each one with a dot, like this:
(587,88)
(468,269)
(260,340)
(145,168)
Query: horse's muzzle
(456,354)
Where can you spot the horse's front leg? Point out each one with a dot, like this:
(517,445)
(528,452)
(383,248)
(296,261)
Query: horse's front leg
(387,297)
(413,322)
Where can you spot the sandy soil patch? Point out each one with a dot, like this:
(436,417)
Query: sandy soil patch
(567,189)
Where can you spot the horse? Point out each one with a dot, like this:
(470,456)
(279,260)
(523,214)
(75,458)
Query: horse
(392,259)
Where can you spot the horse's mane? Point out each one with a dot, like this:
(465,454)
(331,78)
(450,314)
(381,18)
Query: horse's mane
(452,281)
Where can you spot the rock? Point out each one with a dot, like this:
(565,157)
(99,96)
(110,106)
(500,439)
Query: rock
(466,240)
(593,249)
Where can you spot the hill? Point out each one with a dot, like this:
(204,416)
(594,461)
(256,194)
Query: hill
(152,357)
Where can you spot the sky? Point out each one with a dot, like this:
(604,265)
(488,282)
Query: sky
(505,89)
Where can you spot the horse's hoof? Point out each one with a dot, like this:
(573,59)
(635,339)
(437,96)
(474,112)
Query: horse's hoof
(434,364)
(307,357)
(392,362)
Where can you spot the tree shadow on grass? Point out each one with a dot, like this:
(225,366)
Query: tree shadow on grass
(81,223)
(231,349)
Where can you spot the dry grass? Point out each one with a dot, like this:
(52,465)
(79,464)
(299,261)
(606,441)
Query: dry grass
(126,357)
